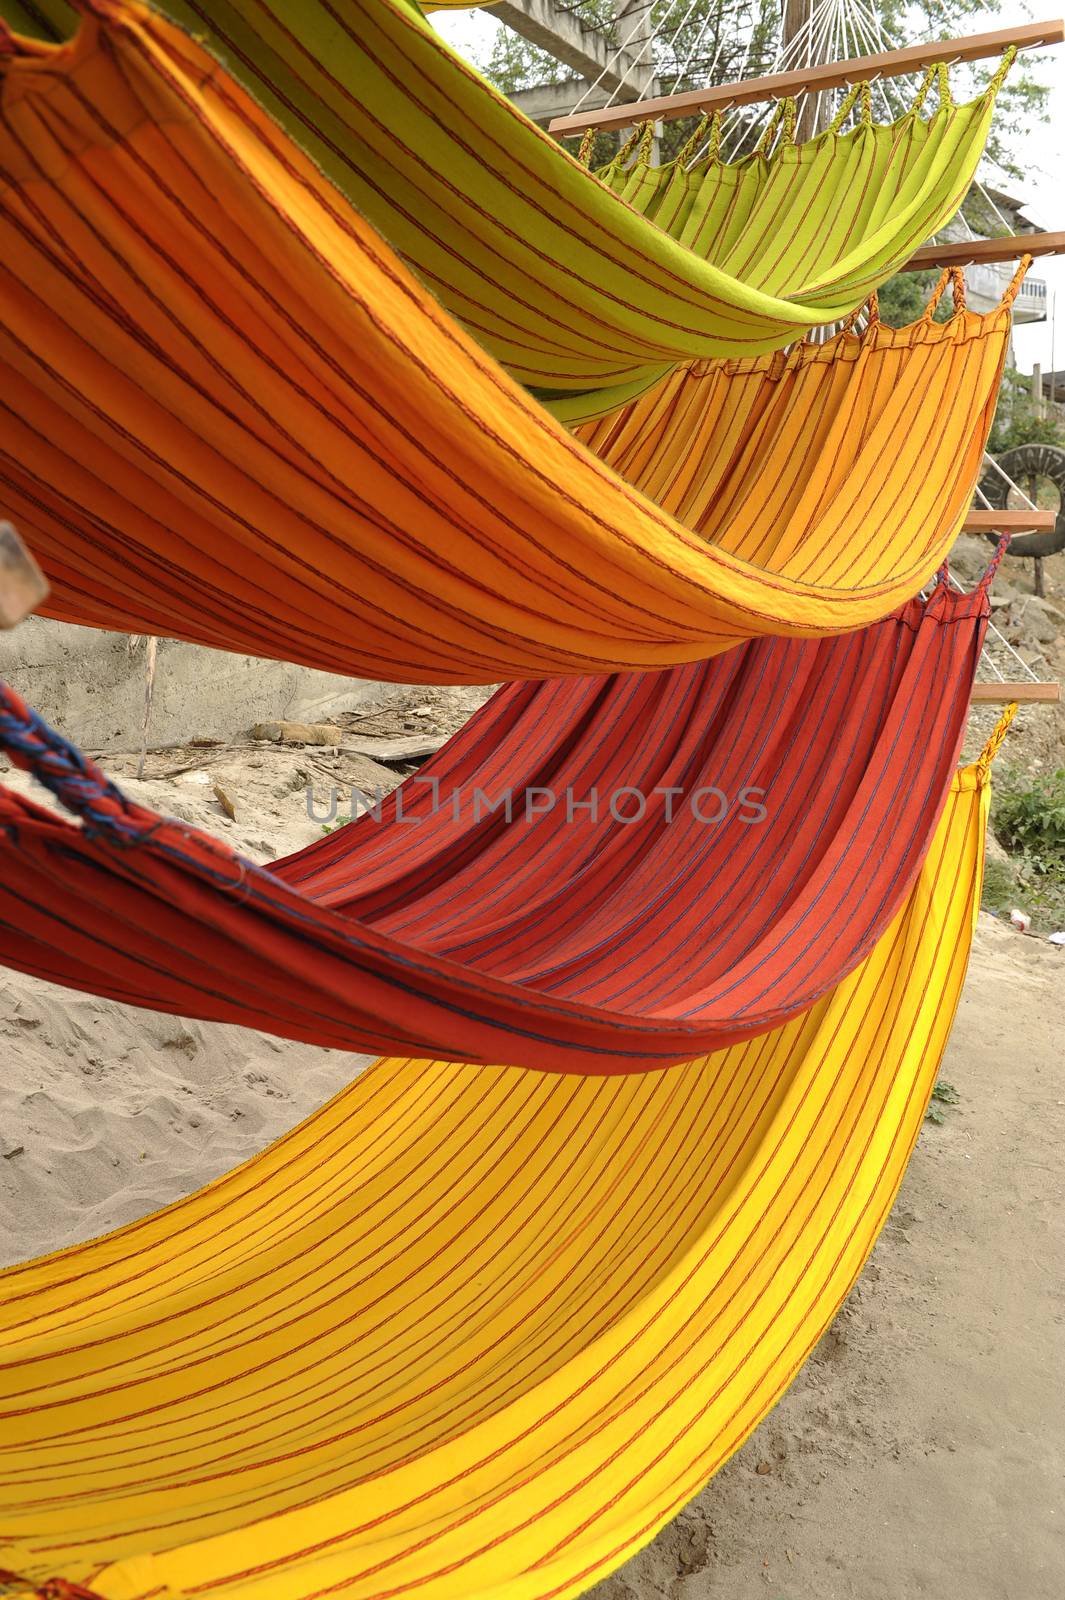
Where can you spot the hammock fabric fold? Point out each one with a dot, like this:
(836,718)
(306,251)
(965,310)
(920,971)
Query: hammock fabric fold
(231,416)
(555,275)
(473,1333)
(691,858)
(811,463)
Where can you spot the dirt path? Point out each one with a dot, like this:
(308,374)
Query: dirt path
(922,1450)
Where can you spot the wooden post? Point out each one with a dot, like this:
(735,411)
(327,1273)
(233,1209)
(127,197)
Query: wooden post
(813,110)
(634,25)
(22,583)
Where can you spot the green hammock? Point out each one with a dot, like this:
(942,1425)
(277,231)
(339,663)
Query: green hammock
(580,286)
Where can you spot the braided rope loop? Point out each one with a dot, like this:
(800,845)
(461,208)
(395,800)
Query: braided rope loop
(77,783)
(995,739)
(995,562)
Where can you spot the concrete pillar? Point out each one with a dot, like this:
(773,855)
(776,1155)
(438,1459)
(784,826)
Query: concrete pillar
(633,17)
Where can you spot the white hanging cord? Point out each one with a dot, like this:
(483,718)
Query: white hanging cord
(977,182)
(1001,637)
(826,23)
(872,30)
(869,37)
(988,197)
(986,658)
(885,44)
(779,58)
(839,43)
(621,50)
(782,57)
(649,44)
(803,41)
(829,50)
(682,70)
(812,38)
(993,628)
(826,48)
(650,41)
(989,461)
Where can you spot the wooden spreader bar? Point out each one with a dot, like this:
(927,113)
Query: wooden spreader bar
(971,252)
(979,520)
(833,75)
(999,694)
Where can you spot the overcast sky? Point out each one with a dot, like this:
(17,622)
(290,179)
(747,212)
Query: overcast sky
(1041,146)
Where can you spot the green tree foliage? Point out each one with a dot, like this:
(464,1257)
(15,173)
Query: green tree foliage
(1016,419)
(1028,816)
(904,298)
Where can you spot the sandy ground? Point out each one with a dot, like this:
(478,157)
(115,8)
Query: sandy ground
(107,1112)
(921,1450)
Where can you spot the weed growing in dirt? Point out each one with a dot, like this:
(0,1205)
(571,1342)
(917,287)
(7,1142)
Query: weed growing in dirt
(1002,887)
(944,1094)
(1028,816)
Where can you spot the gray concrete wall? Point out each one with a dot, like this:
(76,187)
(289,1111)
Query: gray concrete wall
(90,685)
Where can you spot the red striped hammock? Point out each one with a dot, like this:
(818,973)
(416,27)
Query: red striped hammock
(761,817)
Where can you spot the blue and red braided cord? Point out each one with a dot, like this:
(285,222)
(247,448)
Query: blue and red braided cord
(75,780)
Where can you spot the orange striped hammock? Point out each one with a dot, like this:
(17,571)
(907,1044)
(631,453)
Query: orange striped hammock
(231,415)
(591,287)
(473,1333)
